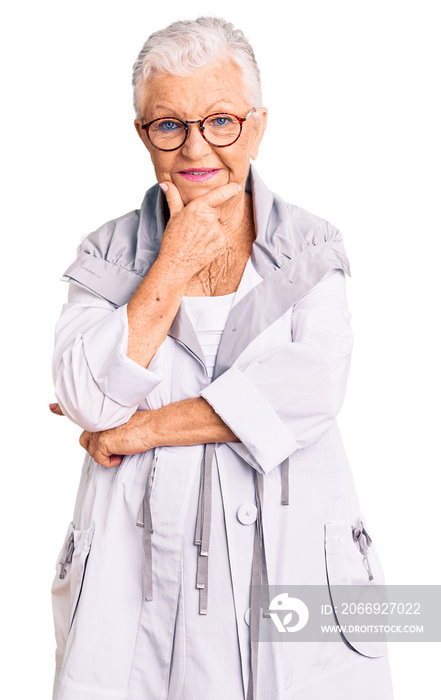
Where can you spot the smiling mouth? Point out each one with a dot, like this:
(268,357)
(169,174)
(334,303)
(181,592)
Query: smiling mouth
(198,174)
(199,171)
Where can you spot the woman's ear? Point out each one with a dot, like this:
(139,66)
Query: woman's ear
(260,122)
(141,132)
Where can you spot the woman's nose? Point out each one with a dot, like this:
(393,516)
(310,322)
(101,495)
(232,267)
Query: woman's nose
(195,145)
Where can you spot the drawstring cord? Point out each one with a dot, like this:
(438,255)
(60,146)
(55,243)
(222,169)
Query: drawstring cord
(203,526)
(285,482)
(145,520)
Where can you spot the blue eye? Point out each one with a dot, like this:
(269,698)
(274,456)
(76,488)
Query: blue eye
(169,125)
(221,121)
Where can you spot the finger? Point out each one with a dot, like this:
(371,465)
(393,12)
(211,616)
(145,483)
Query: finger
(85,439)
(55,409)
(221,194)
(174,201)
(106,460)
(114,461)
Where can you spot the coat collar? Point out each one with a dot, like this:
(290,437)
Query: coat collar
(283,230)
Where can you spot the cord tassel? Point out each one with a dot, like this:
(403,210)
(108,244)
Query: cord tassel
(66,557)
(364,543)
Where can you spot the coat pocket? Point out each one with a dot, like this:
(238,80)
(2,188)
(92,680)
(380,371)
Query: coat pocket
(356,585)
(68,582)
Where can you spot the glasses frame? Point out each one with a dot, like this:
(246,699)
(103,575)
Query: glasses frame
(241,120)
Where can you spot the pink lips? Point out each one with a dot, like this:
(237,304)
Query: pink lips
(198,174)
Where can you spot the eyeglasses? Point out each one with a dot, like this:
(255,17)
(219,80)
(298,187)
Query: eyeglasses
(219,129)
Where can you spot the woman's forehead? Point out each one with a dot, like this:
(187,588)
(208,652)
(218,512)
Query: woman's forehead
(216,86)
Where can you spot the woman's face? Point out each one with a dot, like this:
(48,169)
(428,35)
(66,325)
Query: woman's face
(214,88)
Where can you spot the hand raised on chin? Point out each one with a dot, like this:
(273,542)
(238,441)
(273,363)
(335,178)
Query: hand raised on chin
(196,233)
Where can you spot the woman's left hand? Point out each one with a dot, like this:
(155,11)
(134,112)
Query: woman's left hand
(108,447)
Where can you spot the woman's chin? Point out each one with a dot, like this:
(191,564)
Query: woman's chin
(190,190)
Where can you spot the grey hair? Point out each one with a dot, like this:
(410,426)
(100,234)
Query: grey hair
(185,46)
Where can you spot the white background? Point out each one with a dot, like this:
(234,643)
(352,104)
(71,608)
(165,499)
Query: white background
(352,90)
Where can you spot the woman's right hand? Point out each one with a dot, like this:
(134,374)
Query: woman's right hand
(195,233)
(194,236)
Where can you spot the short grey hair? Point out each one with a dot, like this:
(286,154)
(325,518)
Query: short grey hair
(187,45)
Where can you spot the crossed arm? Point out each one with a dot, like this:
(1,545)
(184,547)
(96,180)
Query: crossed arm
(188,422)
(284,399)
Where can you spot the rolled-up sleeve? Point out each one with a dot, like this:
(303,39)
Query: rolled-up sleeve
(96,384)
(288,397)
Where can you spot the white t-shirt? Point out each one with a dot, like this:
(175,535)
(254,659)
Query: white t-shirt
(208,316)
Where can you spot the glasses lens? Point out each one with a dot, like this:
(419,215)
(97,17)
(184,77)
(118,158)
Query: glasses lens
(221,129)
(167,133)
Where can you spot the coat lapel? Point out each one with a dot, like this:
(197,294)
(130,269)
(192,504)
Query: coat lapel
(269,300)
(288,265)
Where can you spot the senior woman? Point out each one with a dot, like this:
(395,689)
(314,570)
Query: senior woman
(204,350)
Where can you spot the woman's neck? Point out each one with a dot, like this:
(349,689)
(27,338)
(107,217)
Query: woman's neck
(223,274)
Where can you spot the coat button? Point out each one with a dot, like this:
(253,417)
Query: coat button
(247,514)
(247,616)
